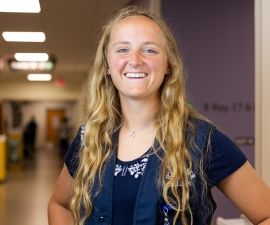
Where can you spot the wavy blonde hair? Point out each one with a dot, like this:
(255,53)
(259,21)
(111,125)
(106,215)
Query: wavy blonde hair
(103,118)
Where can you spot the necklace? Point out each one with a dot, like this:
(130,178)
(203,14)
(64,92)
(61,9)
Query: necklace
(133,132)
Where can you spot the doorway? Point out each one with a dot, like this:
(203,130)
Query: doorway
(54,118)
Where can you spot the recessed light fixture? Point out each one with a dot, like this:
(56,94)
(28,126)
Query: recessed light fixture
(39,77)
(20,6)
(24,36)
(31,56)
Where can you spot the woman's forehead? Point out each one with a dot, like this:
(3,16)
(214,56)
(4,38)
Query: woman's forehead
(136,20)
(138,26)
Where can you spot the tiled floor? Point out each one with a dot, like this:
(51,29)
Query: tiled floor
(25,194)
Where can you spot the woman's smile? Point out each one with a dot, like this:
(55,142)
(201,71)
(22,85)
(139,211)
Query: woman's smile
(135,75)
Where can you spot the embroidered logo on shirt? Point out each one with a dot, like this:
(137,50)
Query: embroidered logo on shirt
(135,169)
(178,182)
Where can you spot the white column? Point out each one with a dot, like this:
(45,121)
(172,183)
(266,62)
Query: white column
(262,89)
(155,6)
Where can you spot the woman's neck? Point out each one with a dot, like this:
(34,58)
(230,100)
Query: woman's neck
(137,115)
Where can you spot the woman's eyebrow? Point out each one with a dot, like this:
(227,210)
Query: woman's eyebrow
(144,43)
(151,43)
(121,43)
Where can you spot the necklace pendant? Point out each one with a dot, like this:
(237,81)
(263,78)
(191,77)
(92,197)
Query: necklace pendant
(132,135)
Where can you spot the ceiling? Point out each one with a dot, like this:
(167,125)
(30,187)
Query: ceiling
(71,29)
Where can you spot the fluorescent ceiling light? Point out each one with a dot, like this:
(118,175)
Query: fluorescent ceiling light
(24,36)
(31,56)
(21,6)
(39,77)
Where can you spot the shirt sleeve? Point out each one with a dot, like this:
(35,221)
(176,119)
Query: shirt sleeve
(224,158)
(72,156)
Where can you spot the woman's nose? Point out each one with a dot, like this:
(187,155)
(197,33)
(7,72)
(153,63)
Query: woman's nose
(135,59)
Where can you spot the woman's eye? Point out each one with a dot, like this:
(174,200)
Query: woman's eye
(122,50)
(149,51)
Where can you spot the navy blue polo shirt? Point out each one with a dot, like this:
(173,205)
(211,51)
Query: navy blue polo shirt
(224,159)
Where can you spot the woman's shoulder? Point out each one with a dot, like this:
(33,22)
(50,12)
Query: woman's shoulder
(72,156)
(224,157)
(198,131)
(200,125)
(219,154)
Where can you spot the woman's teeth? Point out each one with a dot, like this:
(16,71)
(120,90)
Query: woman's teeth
(135,75)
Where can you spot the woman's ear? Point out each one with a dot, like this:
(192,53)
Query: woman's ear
(169,70)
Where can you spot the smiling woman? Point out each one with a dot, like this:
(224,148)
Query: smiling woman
(144,155)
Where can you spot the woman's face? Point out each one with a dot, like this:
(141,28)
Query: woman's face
(137,58)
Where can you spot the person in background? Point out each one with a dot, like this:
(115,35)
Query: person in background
(144,155)
(29,137)
(26,144)
(63,132)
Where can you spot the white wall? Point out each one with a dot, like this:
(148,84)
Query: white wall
(42,91)
(152,5)
(155,6)
(262,90)
(39,91)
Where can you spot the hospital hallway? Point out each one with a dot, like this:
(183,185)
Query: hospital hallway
(25,193)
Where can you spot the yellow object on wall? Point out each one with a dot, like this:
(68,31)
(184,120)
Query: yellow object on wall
(2,157)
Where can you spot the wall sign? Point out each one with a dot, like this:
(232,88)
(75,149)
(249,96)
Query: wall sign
(31,66)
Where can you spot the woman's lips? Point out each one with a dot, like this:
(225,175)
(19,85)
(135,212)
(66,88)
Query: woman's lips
(135,75)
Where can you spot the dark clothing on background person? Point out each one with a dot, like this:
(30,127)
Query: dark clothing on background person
(63,131)
(32,127)
(29,138)
(146,205)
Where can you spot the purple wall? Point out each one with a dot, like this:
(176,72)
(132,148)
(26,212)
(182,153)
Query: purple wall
(216,40)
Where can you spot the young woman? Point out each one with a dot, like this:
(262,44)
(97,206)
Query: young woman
(144,155)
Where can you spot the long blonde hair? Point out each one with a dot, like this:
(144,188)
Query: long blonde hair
(103,118)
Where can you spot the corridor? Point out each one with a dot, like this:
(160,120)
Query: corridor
(25,194)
